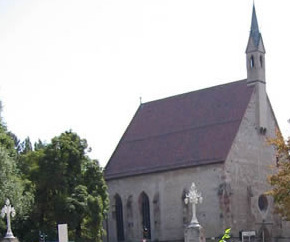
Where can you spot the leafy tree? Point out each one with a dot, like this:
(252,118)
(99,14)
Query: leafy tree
(50,184)
(7,140)
(280,180)
(25,146)
(97,200)
(77,209)
(12,184)
(70,189)
(29,164)
(16,141)
(39,145)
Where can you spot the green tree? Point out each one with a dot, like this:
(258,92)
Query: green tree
(28,162)
(39,145)
(70,189)
(280,180)
(8,140)
(98,199)
(77,209)
(12,184)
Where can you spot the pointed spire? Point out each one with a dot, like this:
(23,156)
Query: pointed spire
(255,39)
(255,33)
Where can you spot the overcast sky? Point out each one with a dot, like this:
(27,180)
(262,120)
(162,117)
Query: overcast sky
(83,65)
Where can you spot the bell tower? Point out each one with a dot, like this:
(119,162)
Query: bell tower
(255,54)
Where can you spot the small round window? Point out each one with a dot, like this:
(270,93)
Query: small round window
(263,203)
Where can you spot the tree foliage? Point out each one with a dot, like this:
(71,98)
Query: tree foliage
(12,183)
(12,186)
(70,189)
(50,184)
(280,180)
(226,236)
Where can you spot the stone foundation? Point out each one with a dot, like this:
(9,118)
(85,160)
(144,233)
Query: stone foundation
(194,234)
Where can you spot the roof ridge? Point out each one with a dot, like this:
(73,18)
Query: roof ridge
(197,90)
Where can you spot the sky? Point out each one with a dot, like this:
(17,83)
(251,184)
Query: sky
(86,65)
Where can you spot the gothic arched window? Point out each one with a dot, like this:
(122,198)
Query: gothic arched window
(252,63)
(261,61)
(119,218)
(263,203)
(145,214)
(186,209)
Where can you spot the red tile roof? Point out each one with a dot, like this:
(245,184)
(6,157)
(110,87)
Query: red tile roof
(186,130)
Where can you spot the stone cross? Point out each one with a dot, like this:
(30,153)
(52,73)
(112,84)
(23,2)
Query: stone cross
(194,197)
(8,210)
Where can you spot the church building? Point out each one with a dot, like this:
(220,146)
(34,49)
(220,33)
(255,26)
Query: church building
(215,137)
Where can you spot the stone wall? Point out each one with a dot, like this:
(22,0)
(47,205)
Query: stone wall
(248,165)
(168,213)
(231,190)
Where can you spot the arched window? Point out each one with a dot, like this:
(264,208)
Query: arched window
(261,61)
(119,218)
(187,213)
(252,63)
(145,214)
(263,203)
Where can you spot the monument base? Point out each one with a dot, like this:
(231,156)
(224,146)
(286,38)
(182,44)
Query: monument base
(9,240)
(194,233)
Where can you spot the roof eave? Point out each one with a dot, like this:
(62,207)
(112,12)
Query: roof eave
(159,170)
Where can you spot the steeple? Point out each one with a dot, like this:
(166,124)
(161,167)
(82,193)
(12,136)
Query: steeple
(255,53)
(255,35)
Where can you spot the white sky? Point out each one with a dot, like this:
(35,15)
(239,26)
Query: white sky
(82,65)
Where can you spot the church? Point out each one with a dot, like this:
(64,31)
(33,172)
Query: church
(215,137)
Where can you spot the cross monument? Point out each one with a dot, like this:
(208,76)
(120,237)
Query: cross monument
(194,197)
(8,210)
